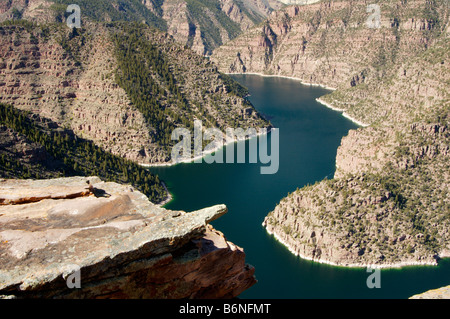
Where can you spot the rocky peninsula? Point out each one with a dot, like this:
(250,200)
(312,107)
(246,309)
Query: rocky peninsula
(388,203)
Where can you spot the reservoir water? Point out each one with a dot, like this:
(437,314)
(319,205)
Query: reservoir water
(309,134)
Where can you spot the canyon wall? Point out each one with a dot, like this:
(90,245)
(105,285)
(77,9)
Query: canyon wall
(202,26)
(71,79)
(329,43)
(387,204)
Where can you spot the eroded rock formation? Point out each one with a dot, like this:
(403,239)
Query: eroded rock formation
(72,81)
(120,244)
(203,26)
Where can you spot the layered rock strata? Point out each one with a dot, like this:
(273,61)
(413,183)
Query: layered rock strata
(388,202)
(203,26)
(118,244)
(383,73)
(72,81)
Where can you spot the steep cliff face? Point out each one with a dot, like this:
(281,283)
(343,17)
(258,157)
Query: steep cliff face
(329,43)
(204,26)
(37,74)
(390,79)
(201,25)
(72,80)
(116,242)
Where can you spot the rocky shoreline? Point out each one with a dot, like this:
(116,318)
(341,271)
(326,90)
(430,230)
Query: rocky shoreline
(283,77)
(344,114)
(291,248)
(206,153)
(387,203)
(191,161)
(328,105)
(168,199)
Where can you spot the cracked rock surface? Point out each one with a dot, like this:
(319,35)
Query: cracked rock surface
(118,242)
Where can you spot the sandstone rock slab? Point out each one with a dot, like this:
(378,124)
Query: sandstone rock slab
(118,242)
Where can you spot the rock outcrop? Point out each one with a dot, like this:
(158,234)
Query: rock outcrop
(440,293)
(117,242)
(361,221)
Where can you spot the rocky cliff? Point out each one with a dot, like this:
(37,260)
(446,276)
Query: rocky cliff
(205,25)
(388,203)
(84,238)
(201,25)
(329,43)
(71,78)
(39,75)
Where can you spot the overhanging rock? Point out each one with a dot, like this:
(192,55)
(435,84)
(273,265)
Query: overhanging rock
(114,241)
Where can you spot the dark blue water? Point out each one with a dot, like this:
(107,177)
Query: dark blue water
(309,137)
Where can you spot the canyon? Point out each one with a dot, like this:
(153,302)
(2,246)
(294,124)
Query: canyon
(387,205)
(72,81)
(391,80)
(70,86)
